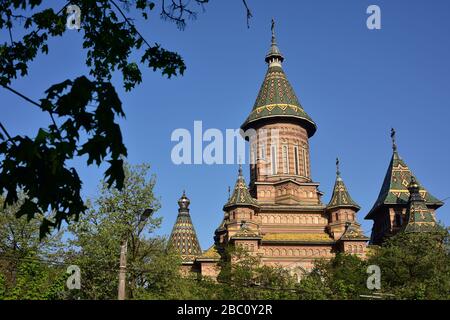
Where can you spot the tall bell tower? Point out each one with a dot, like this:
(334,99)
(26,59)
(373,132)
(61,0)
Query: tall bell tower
(280,152)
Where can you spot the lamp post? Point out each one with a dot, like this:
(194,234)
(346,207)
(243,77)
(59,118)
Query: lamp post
(123,256)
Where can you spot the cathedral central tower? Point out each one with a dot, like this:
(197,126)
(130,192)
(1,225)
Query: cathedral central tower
(280,153)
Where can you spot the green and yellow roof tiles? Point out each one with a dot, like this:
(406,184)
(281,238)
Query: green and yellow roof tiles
(183,238)
(241,196)
(394,190)
(210,254)
(276,98)
(341,197)
(419,216)
(353,232)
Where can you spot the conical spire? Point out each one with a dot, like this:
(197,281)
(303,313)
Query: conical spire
(241,196)
(419,217)
(353,232)
(341,197)
(276,98)
(394,190)
(183,238)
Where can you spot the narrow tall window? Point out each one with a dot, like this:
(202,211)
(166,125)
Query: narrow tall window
(305,163)
(253,154)
(296,160)
(263,151)
(285,160)
(273,155)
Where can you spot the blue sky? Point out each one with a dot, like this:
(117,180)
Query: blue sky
(355,83)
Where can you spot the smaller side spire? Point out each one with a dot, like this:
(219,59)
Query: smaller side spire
(183,238)
(419,217)
(240,196)
(353,232)
(341,197)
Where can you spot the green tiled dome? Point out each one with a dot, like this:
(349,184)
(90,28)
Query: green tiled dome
(276,98)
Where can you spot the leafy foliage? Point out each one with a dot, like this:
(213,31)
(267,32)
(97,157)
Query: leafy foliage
(415,265)
(83,112)
(243,276)
(36,281)
(114,217)
(343,277)
(24,269)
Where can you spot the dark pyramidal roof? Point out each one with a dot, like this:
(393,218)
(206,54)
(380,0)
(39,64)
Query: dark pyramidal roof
(276,98)
(241,196)
(183,238)
(394,190)
(353,232)
(419,217)
(341,197)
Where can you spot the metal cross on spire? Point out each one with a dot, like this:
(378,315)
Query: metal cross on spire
(394,144)
(273,30)
(338,172)
(240,166)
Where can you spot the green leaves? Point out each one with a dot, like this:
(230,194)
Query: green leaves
(113,217)
(82,111)
(170,63)
(415,265)
(38,167)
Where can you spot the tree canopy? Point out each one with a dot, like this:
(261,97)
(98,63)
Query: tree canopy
(83,111)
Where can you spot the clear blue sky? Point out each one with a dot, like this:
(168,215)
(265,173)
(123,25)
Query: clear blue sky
(355,83)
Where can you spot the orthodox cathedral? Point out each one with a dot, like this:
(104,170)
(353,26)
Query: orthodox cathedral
(279,215)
